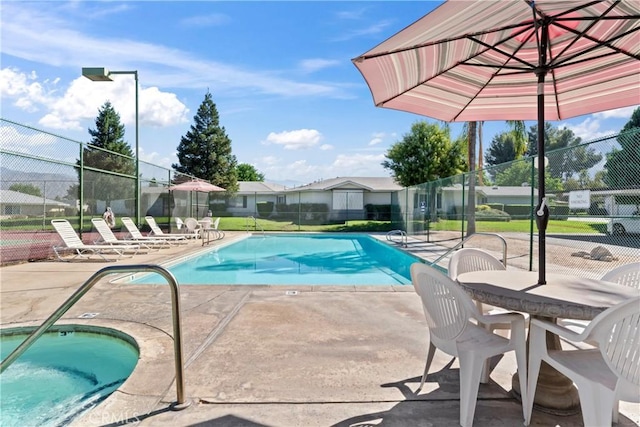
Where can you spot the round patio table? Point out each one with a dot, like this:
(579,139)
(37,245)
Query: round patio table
(562,296)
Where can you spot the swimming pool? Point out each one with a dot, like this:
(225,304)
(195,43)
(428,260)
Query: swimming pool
(67,371)
(296,259)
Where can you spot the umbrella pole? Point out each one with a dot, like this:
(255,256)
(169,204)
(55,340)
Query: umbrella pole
(542,210)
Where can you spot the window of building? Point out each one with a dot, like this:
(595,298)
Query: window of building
(11,209)
(348,200)
(238,202)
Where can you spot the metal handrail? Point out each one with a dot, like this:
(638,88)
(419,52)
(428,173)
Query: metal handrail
(255,224)
(403,236)
(466,239)
(135,268)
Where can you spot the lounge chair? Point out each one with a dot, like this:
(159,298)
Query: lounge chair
(73,242)
(156,231)
(135,233)
(107,236)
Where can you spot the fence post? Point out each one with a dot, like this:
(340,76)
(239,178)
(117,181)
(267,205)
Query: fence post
(81,180)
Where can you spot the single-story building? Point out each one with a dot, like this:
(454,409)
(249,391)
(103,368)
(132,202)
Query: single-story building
(346,197)
(16,204)
(451,197)
(250,193)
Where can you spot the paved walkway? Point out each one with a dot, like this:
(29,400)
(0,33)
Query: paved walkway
(262,356)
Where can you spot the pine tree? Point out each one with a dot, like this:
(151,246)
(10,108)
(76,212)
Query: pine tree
(205,151)
(109,152)
(109,135)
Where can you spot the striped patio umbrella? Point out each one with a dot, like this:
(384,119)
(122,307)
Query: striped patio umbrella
(511,60)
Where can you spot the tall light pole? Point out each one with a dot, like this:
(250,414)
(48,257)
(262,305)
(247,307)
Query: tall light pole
(104,75)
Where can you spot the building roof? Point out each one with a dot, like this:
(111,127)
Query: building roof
(17,198)
(366,183)
(259,187)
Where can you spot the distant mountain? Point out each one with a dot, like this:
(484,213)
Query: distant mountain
(52,184)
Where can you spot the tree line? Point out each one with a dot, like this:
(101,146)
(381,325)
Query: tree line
(426,153)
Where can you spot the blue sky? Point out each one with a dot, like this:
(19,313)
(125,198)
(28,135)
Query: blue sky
(280,74)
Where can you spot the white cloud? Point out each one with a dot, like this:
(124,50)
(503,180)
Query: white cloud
(210,20)
(83,98)
(618,113)
(295,139)
(360,164)
(157,159)
(12,139)
(588,130)
(270,160)
(313,65)
(62,45)
(372,30)
(299,171)
(24,89)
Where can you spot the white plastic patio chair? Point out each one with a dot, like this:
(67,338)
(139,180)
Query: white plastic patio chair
(73,242)
(466,260)
(107,236)
(193,228)
(603,375)
(627,275)
(471,259)
(449,312)
(135,233)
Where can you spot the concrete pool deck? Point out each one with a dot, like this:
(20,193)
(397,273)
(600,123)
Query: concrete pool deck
(262,356)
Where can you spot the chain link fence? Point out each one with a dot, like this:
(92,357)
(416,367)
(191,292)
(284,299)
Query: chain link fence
(44,176)
(593,191)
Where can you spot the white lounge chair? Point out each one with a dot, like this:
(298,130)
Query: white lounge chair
(135,233)
(156,231)
(603,375)
(107,236)
(73,242)
(450,313)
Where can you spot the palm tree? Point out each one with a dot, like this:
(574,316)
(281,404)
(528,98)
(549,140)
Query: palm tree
(474,132)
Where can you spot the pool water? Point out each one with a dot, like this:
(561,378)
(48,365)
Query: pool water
(300,259)
(63,374)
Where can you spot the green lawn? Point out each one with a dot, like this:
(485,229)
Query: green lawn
(524,226)
(242,224)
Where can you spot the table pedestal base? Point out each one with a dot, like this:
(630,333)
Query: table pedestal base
(555,393)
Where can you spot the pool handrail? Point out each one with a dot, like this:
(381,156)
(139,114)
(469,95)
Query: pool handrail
(256,224)
(181,402)
(466,239)
(403,237)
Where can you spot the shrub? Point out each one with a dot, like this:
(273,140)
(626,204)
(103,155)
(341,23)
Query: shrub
(492,215)
(218,209)
(518,211)
(378,212)
(264,209)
